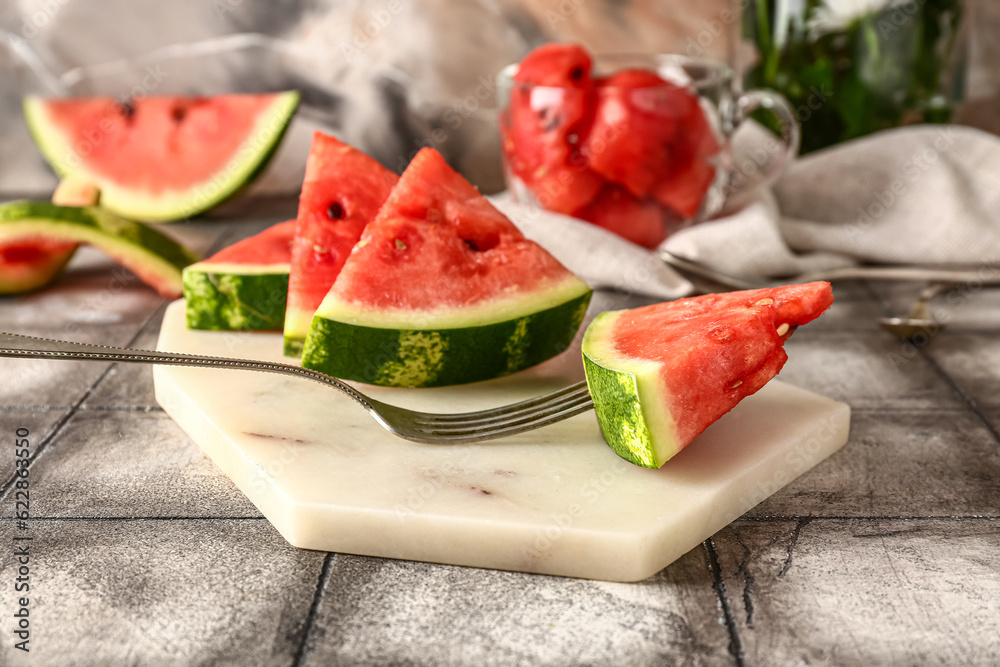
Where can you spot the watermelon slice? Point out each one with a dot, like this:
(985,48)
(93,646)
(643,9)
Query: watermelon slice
(161,158)
(443,289)
(659,375)
(155,258)
(244,286)
(342,192)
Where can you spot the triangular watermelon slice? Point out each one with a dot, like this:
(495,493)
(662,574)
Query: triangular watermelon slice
(342,191)
(443,289)
(243,287)
(661,374)
(161,157)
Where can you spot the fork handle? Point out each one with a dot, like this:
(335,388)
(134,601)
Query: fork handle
(31,347)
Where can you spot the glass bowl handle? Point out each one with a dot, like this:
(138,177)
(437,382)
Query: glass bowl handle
(791,137)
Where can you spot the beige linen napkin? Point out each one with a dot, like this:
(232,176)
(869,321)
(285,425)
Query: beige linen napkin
(915,195)
(602,259)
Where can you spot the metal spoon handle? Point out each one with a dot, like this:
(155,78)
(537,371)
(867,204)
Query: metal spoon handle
(986,274)
(692,270)
(918,311)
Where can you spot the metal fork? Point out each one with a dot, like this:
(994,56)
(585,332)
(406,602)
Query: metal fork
(425,427)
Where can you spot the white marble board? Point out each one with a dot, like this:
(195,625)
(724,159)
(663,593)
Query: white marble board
(554,501)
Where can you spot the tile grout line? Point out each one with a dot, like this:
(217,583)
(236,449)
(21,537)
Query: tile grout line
(745,519)
(60,424)
(944,375)
(866,517)
(324,578)
(966,398)
(735,645)
(123,408)
(143,518)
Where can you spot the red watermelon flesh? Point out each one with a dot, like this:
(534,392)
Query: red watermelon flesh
(437,232)
(567,133)
(634,129)
(690,172)
(717,349)
(565,188)
(270,247)
(185,140)
(560,65)
(550,109)
(641,221)
(158,157)
(342,191)
(28,264)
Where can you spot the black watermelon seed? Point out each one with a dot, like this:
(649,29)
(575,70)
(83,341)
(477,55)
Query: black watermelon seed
(127,107)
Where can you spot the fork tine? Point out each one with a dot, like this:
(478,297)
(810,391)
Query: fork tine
(491,424)
(508,421)
(476,435)
(485,420)
(524,407)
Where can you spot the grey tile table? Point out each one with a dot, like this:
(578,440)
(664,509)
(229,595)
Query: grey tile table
(143,553)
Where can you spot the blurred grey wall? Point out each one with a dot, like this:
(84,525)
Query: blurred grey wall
(388,76)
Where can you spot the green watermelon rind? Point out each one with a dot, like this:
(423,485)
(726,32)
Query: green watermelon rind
(155,258)
(235,297)
(434,356)
(628,398)
(293,345)
(296,320)
(250,160)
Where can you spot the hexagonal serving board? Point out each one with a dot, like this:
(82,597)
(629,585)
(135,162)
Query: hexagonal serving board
(554,501)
